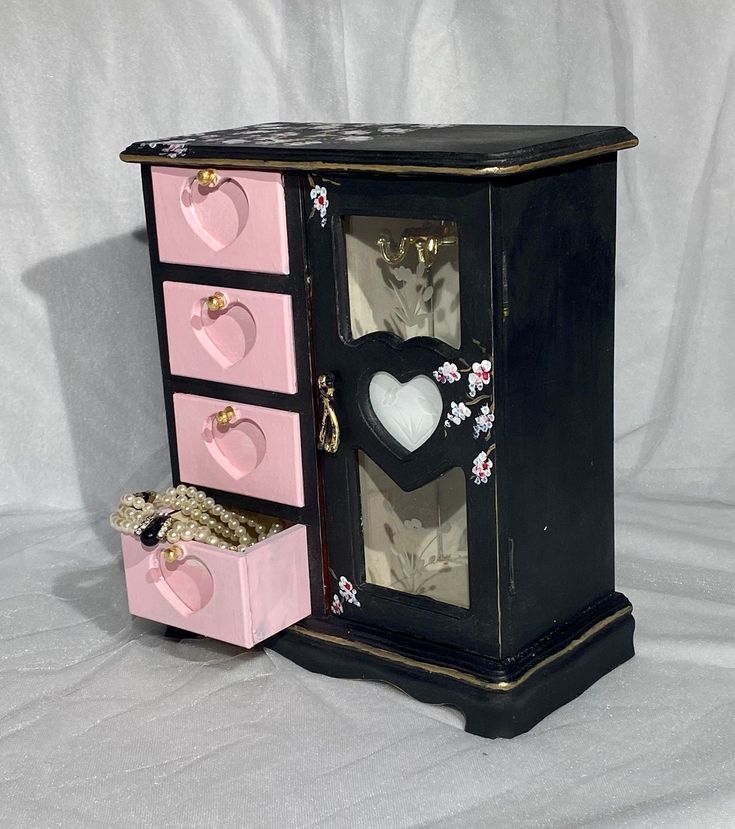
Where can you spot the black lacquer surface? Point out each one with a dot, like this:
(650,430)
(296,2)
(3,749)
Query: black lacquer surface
(432,145)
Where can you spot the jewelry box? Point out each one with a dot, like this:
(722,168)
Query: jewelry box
(387,355)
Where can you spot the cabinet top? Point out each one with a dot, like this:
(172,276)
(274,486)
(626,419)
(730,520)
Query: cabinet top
(451,149)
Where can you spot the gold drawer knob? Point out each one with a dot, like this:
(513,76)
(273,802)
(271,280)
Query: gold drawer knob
(173,553)
(217,302)
(225,416)
(208,178)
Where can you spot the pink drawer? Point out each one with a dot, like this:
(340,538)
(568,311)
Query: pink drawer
(239,223)
(250,342)
(258,453)
(241,598)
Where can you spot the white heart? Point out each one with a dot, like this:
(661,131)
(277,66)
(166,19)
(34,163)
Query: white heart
(409,412)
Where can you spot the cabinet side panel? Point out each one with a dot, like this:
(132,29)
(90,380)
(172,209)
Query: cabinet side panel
(554,262)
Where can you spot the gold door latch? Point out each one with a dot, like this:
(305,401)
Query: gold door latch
(329,429)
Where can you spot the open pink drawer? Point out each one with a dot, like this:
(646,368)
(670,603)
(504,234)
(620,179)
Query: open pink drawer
(241,598)
(256,453)
(238,223)
(248,342)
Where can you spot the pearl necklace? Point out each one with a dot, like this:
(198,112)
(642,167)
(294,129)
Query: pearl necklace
(189,515)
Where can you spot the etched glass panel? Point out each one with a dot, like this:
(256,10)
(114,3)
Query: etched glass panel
(403,277)
(415,542)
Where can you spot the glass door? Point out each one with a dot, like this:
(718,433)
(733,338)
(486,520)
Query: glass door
(401,319)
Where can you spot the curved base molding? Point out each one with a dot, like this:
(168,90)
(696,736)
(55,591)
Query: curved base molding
(491,707)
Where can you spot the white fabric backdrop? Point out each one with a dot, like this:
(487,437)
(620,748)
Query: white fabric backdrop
(102,722)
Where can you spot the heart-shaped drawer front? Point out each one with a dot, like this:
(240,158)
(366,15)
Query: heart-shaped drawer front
(239,222)
(256,452)
(241,598)
(247,342)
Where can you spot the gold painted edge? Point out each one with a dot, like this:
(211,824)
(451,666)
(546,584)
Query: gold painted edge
(337,167)
(454,673)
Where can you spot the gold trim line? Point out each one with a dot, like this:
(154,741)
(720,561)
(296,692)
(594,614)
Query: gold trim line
(463,676)
(338,167)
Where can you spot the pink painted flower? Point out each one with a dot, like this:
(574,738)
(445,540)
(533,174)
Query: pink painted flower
(319,198)
(481,468)
(479,376)
(446,373)
(348,591)
(484,421)
(337,608)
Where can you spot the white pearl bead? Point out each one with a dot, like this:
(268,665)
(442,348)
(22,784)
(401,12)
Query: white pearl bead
(216,509)
(172,536)
(201,534)
(187,535)
(181,489)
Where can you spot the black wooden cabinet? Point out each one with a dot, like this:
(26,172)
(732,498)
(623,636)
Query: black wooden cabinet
(452,292)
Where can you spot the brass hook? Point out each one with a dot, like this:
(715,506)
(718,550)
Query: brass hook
(427,246)
(329,429)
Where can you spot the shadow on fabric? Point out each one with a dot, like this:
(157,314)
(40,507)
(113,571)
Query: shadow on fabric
(102,321)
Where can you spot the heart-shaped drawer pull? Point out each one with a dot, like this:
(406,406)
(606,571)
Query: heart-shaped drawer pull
(409,412)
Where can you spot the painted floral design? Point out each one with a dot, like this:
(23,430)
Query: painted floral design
(479,377)
(346,594)
(484,421)
(347,591)
(292,135)
(457,413)
(481,467)
(319,198)
(171,149)
(447,373)
(320,202)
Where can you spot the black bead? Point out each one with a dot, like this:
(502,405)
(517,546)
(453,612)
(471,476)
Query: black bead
(149,536)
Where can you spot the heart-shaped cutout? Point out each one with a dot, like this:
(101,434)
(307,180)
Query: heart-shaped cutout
(409,412)
(227,335)
(239,447)
(189,580)
(218,214)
